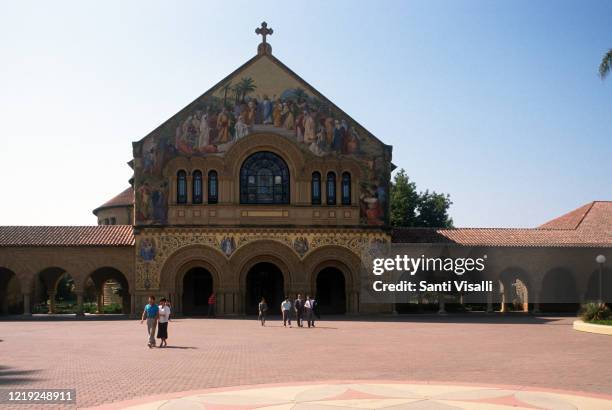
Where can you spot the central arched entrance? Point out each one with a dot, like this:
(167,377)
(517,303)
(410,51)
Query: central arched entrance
(197,288)
(331,291)
(264,279)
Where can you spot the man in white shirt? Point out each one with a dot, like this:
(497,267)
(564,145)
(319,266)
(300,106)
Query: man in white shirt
(286,311)
(308,313)
(164,317)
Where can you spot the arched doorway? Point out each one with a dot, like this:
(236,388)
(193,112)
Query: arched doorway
(54,292)
(11,301)
(264,280)
(106,290)
(197,288)
(593,291)
(559,292)
(331,291)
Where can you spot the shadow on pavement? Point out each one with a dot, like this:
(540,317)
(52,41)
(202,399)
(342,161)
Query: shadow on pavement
(177,347)
(10,376)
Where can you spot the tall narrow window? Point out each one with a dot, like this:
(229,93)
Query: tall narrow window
(331,188)
(197,187)
(213,187)
(315,191)
(181,187)
(346,188)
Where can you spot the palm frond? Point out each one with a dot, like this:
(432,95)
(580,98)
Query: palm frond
(606,65)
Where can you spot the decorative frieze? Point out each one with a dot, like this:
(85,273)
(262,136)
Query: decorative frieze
(155,246)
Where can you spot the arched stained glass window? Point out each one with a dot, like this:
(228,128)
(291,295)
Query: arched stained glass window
(213,187)
(197,194)
(264,179)
(331,188)
(315,191)
(181,187)
(346,188)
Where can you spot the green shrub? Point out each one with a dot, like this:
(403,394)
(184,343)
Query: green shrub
(113,308)
(594,311)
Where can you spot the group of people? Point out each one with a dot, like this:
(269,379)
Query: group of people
(157,315)
(303,309)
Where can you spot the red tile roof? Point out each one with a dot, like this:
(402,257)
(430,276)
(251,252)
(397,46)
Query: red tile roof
(49,236)
(125,198)
(587,226)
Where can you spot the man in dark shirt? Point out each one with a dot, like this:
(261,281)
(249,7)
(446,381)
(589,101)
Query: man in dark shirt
(298,305)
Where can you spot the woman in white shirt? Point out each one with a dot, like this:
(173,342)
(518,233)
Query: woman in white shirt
(162,327)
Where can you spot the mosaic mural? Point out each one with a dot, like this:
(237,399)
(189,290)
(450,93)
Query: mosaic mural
(261,98)
(154,249)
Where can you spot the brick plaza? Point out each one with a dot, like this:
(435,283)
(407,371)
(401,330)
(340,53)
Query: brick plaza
(108,361)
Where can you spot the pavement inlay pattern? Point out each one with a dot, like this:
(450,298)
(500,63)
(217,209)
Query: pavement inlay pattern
(374,395)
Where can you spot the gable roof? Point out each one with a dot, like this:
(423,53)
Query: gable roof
(242,68)
(590,216)
(587,226)
(66,236)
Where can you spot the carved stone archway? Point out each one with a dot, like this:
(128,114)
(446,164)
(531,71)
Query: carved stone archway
(182,260)
(342,259)
(265,251)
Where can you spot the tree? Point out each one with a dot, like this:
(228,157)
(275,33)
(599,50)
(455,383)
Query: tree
(433,210)
(299,94)
(246,85)
(404,200)
(606,65)
(412,209)
(226,88)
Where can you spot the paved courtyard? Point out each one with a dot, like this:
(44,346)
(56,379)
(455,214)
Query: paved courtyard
(108,361)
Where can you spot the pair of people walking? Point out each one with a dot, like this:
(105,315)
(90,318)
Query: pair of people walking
(157,316)
(305,310)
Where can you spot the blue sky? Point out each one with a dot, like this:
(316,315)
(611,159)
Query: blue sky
(496,103)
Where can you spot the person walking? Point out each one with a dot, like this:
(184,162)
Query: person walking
(315,310)
(263,308)
(298,305)
(164,317)
(151,313)
(212,301)
(308,311)
(286,311)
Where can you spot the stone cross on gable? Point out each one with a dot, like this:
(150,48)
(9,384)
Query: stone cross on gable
(263,31)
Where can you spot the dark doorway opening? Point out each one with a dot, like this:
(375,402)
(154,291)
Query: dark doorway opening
(264,280)
(197,288)
(331,292)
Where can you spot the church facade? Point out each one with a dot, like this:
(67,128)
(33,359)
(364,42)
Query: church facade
(260,187)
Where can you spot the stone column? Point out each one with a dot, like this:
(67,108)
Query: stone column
(239,297)
(536,303)
(190,188)
(504,302)
(4,307)
(220,308)
(132,304)
(26,305)
(100,301)
(51,296)
(79,311)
